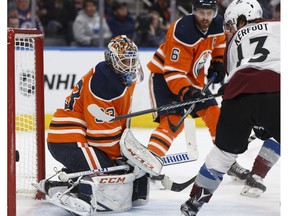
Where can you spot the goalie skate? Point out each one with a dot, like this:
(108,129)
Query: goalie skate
(156,182)
(40,186)
(254,186)
(50,187)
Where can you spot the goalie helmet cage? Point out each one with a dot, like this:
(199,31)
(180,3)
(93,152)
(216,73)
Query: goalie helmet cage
(25,120)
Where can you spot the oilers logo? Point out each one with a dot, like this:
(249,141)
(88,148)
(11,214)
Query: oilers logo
(200,62)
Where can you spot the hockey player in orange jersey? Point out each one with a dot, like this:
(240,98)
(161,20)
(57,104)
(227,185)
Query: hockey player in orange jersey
(83,143)
(109,85)
(177,71)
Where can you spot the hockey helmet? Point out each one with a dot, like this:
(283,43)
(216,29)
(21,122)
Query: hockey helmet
(251,9)
(122,55)
(205,4)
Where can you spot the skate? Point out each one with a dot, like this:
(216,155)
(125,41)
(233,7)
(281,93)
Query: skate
(40,186)
(190,207)
(254,186)
(194,203)
(50,187)
(156,182)
(237,172)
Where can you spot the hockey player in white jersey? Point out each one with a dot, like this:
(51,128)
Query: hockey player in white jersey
(251,95)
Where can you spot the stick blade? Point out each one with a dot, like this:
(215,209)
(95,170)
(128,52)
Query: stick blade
(176,187)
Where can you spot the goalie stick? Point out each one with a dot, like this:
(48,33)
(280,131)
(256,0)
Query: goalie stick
(64,177)
(166,181)
(190,137)
(98,113)
(191,144)
(177,158)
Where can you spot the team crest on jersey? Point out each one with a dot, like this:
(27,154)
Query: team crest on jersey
(200,62)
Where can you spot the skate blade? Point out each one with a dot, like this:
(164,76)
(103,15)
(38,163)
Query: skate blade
(251,192)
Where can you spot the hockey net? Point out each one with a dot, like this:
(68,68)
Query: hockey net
(26,133)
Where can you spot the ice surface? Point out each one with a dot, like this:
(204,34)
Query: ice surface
(226,201)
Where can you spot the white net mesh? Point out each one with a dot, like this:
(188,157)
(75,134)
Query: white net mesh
(26,135)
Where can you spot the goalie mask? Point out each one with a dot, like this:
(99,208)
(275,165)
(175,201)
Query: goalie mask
(122,55)
(251,9)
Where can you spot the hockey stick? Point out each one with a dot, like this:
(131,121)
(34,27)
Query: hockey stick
(64,177)
(177,158)
(191,144)
(167,183)
(190,138)
(100,115)
(170,159)
(177,187)
(174,128)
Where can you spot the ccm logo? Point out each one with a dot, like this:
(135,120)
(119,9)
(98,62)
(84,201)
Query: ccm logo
(112,180)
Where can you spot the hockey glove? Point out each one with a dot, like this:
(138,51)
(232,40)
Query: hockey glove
(218,68)
(189,92)
(261,133)
(221,90)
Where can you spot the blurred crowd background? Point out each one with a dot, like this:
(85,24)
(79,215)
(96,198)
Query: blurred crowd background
(92,23)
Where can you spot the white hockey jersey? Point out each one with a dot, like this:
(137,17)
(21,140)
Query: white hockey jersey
(253,49)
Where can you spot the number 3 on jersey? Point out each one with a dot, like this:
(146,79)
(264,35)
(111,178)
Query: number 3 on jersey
(258,50)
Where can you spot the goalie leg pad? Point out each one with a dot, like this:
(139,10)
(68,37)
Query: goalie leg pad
(111,193)
(71,203)
(138,155)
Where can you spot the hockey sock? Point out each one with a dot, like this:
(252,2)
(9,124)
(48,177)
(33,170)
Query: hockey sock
(266,158)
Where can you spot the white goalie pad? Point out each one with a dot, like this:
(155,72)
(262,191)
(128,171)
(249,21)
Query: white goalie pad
(71,203)
(138,155)
(111,193)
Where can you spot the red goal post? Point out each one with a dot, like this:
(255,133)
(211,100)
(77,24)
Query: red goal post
(25,120)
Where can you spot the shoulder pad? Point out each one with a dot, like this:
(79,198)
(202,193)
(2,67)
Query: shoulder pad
(217,25)
(186,30)
(105,83)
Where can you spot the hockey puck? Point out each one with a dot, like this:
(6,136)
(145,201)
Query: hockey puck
(17,156)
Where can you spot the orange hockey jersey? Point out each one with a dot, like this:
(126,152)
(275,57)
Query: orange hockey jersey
(100,86)
(181,58)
